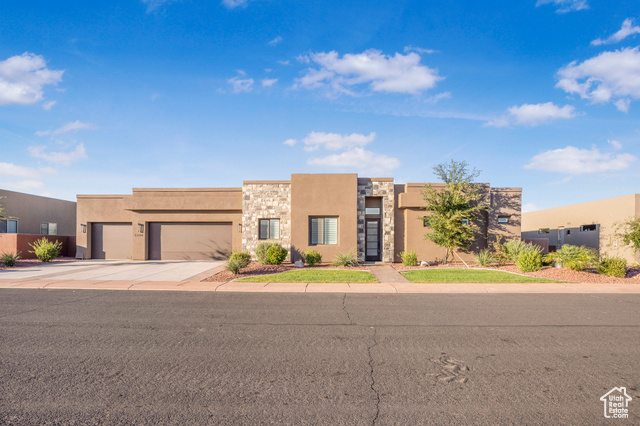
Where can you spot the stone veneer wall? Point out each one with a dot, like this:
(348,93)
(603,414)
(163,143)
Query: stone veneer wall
(384,189)
(265,201)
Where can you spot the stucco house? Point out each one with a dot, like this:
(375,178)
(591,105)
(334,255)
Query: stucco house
(30,217)
(590,224)
(330,212)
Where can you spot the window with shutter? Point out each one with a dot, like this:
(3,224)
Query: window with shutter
(269,229)
(323,230)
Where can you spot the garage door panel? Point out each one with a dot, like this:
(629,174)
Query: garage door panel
(189,241)
(111,240)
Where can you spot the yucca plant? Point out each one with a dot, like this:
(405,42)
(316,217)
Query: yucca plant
(484,257)
(576,258)
(10,259)
(349,258)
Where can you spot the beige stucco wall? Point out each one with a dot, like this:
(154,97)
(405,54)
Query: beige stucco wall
(606,213)
(410,207)
(324,195)
(223,205)
(31,210)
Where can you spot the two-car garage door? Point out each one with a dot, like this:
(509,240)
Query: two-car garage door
(189,241)
(167,241)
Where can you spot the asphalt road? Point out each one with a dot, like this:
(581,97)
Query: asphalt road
(115,357)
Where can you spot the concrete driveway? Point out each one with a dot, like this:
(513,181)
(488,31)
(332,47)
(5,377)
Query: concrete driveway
(155,270)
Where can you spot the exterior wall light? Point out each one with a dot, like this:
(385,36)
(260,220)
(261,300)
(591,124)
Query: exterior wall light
(239,227)
(140,228)
(83,228)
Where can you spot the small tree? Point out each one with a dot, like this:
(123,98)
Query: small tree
(1,210)
(453,209)
(629,232)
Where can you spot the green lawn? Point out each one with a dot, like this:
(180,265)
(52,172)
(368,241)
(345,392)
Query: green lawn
(469,276)
(315,276)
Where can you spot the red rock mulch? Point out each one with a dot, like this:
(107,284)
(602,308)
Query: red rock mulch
(256,268)
(35,262)
(561,274)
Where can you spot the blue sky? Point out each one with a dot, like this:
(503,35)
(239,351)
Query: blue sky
(100,97)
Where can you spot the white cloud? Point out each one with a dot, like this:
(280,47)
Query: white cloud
(529,207)
(576,161)
(608,76)
(275,41)
(231,4)
(241,84)
(335,141)
(22,79)
(48,105)
(615,144)
(58,158)
(391,74)
(437,98)
(153,5)
(627,30)
(623,104)
(268,82)
(419,50)
(290,142)
(23,185)
(75,125)
(10,169)
(358,159)
(283,62)
(533,114)
(564,6)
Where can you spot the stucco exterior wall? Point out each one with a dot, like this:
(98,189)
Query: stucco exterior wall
(605,213)
(332,195)
(31,210)
(384,188)
(265,200)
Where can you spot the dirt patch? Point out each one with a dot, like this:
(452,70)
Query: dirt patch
(23,263)
(256,268)
(561,274)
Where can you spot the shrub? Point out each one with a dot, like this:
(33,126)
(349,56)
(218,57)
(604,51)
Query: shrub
(613,266)
(45,250)
(242,258)
(10,259)
(575,257)
(514,248)
(484,258)
(261,251)
(346,259)
(530,260)
(409,258)
(233,265)
(547,259)
(312,257)
(276,254)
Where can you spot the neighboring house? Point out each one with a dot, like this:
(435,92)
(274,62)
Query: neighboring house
(29,217)
(329,212)
(590,224)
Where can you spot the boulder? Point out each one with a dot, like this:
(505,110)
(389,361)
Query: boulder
(298,264)
(424,263)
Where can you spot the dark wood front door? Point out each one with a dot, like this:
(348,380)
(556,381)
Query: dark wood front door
(372,239)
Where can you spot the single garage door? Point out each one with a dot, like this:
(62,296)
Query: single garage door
(111,241)
(189,241)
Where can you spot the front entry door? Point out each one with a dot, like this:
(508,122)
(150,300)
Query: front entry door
(372,241)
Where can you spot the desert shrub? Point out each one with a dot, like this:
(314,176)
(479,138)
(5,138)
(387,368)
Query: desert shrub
(234,265)
(514,248)
(242,258)
(530,259)
(346,259)
(10,259)
(409,258)
(484,257)
(613,266)
(499,255)
(547,259)
(45,250)
(312,257)
(276,254)
(575,257)
(261,251)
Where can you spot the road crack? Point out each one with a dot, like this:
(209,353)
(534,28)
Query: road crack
(344,308)
(371,375)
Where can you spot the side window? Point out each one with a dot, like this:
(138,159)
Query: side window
(48,228)
(323,230)
(269,229)
(503,219)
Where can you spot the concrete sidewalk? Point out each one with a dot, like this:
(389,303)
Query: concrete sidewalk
(320,287)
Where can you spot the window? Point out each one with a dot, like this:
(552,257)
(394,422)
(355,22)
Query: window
(585,228)
(48,228)
(10,226)
(465,221)
(269,229)
(503,219)
(544,230)
(323,230)
(374,211)
(426,223)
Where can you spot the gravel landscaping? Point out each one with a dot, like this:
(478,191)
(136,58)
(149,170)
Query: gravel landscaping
(35,262)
